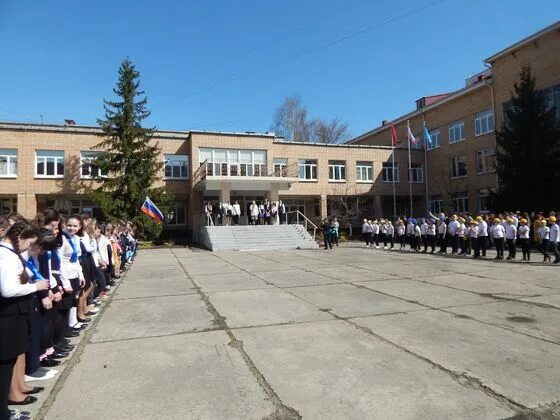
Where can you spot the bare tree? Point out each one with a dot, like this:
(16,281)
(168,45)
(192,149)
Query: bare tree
(333,132)
(290,120)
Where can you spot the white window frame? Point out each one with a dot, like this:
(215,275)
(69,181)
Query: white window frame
(42,156)
(364,172)
(416,170)
(172,161)
(85,159)
(279,167)
(482,196)
(482,157)
(435,204)
(435,134)
(309,167)
(174,208)
(337,171)
(457,128)
(454,166)
(464,199)
(483,122)
(11,157)
(387,172)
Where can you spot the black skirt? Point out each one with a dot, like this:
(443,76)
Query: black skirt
(14,331)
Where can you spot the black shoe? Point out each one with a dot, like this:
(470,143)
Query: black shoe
(71,334)
(28,400)
(83,320)
(49,363)
(58,355)
(35,390)
(64,349)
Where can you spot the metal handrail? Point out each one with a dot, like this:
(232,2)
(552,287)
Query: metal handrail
(258,170)
(306,221)
(210,222)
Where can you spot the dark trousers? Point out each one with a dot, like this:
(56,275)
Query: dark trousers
(425,242)
(431,242)
(391,240)
(327,239)
(383,238)
(482,244)
(499,244)
(6,371)
(282,217)
(455,244)
(60,323)
(367,237)
(334,239)
(543,248)
(511,248)
(463,244)
(36,326)
(376,239)
(47,334)
(553,246)
(476,247)
(442,243)
(525,248)
(401,240)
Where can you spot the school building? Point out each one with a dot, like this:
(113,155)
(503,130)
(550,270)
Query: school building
(44,165)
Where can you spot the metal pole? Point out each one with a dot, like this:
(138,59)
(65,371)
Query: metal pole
(409,169)
(426,171)
(393,176)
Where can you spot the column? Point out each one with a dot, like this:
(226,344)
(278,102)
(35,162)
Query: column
(225,192)
(27,205)
(324,210)
(274,193)
(378,210)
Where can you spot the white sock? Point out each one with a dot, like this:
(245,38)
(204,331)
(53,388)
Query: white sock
(73,317)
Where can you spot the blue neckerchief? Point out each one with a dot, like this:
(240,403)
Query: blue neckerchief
(74,256)
(36,275)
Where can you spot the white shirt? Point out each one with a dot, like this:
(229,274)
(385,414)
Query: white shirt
(254,209)
(102,244)
(431,230)
(236,210)
(461,230)
(417,230)
(498,231)
(543,232)
(453,227)
(523,232)
(554,233)
(69,270)
(400,230)
(511,232)
(423,228)
(410,229)
(474,231)
(10,271)
(482,228)
(442,228)
(390,230)
(375,228)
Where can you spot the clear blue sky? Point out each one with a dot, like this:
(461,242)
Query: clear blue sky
(226,65)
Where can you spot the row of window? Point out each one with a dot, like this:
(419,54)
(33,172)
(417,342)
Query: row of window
(485,163)
(50,164)
(483,124)
(364,171)
(459,203)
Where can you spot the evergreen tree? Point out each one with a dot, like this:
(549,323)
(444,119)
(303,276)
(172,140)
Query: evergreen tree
(528,153)
(129,157)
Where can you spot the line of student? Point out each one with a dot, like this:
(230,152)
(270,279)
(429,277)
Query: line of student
(54,273)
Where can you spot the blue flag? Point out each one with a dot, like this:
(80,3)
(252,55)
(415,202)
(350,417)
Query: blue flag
(427,137)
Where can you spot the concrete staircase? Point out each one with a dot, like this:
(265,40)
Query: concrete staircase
(256,238)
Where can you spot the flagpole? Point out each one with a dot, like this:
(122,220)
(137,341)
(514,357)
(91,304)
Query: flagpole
(393,176)
(409,168)
(426,168)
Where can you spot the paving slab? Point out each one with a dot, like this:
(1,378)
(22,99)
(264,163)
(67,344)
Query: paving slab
(134,318)
(426,293)
(332,370)
(194,376)
(518,367)
(552,300)
(352,274)
(263,307)
(346,300)
(294,277)
(147,286)
(233,281)
(518,316)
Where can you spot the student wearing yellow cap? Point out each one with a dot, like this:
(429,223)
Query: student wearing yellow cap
(498,235)
(511,236)
(554,238)
(543,234)
(523,232)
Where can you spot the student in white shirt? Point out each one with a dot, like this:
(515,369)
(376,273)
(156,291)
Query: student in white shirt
(236,212)
(473,233)
(16,292)
(375,233)
(461,236)
(391,233)
(543,235)
(554,238)
(424,234)
(417,235)
(482,234)
(511,236)
(431,234)
(401,232)
(498,236)
(453,230)
(442,236)
(383,233)
(366,232)
(523,232)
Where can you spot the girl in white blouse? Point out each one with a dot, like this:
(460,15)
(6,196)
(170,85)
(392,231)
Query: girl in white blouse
(523,232)
(15,293)
(543,234)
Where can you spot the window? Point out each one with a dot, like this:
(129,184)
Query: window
(456,132)
(552,99)
(177,214)
(458,166)
(460,203)
(237,162)
(7,206)
(308,170)
(49,163)
(337,170)
(8,163)
(418,144)
(483,122)
(435,135)
(176,166)
(364,171)
(280,167)
(415,173)
(485,161)
(88,168)
(483,201)
(390,173)
(435,203)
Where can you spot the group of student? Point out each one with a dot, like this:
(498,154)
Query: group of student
(330,229)
(55,272)
(262,213)
(467,235)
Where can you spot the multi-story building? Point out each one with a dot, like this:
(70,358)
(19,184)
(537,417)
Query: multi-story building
(461,160)
(50,165)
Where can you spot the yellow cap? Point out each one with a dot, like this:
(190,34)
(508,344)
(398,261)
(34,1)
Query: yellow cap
(509,220)
(474,222)
(552,219)
(524,221)
(478,218)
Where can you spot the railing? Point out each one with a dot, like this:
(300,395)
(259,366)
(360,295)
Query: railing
(244,170)
(200,173)
(210,222)
(304,220)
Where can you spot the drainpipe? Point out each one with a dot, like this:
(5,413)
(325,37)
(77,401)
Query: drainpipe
(490,84)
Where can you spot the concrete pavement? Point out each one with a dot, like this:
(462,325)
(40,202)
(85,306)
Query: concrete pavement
(351,333)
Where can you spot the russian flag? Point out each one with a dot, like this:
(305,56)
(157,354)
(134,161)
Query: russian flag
(151,210)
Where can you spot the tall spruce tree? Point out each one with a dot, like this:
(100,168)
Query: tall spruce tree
(528,153)
(129,157)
